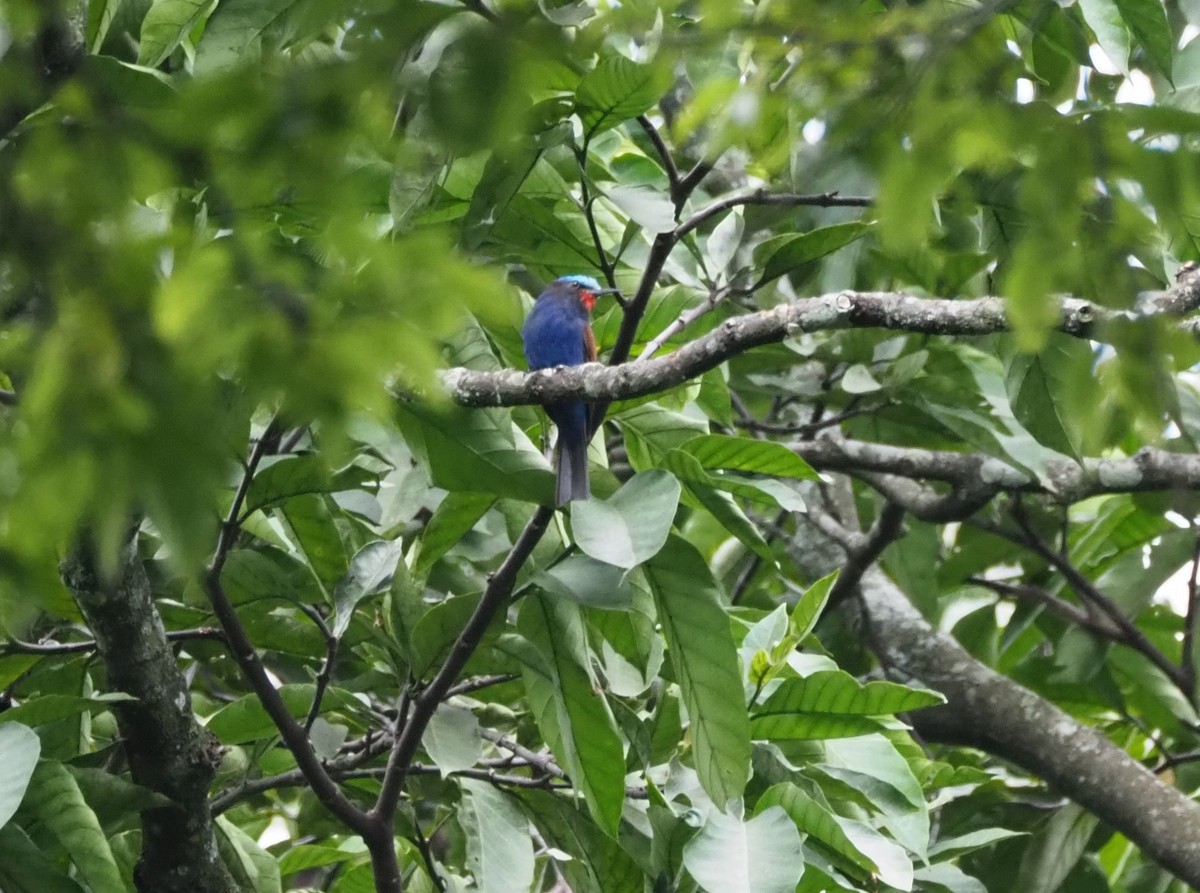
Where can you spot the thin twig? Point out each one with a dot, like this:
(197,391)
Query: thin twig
(1187,658)
(1087,592)
(664,155)
(326,671)
(682,321)
(586,202)
(248,660)
(475,684)
(763,197)
(16,646)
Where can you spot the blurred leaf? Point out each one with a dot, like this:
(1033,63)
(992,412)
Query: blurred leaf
(1053,852)
(236,32)
(1147,20)
(51,707)
(1105,19)
(1048,391)
(24,868)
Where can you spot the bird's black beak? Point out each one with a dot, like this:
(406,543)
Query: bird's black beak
(606,291)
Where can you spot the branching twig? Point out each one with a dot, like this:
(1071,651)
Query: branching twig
(326,671)
(499,587)
(244,652)
(763,197)
(682,321)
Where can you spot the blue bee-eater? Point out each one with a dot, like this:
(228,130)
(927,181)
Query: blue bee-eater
(558,332)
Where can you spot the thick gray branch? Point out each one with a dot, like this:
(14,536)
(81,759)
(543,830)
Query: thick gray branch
(991,712)
(841,310)
(981,476)
(167,751)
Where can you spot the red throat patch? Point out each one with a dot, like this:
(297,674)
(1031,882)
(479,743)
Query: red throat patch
(588,299)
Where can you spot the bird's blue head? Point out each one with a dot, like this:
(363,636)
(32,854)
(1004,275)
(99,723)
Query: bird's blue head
(586,287)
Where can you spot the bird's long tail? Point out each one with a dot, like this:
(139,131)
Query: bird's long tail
(571,464)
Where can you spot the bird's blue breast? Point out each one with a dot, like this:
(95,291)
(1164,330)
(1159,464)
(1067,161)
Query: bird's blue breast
(553,333)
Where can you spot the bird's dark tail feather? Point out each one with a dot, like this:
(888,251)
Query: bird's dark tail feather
(571,472)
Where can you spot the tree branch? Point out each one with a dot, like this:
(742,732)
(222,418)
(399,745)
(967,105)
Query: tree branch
(842,310)
(499,587)
(244,652)
(763,197)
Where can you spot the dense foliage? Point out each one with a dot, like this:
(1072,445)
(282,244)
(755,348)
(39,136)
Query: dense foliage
(284,604)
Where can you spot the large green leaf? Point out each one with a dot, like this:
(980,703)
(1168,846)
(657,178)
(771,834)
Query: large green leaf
(499,849)
(809,606)
(51,707)
(630,526)
(266,573)
(1147,19)
(165,24)
(251,866)
(761,855)
(1055,849)
(573,719)
(20,747)
(702,654)
(780,255)
(316,530)
(598,863)
(477,451)
(452,739)
(837,692)
(54,797)
(729,453)
(457,514)
(1049,391)
(1105,19)
(25,868)
(295,475)
(813,818)
(371,572)
(617,90)
(237,30)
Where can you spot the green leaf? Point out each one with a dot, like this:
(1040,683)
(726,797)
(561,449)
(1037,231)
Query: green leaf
(809,606)
(457,514)
(478,451)
(24,868)
(724,451)
(165,25)
(250,575)
(1147,19)
(1049,391)
(50,708)
(702,654)
(574,719)
(295,475)
(1055,849)
(499,849)
(452,739)
(436,631)
(308,856)
(54,797)
(245,719)
(759,856)
(587,581)
(251,866)
(317,533)
(236,31)
(617,90)
(949,877)
(1106,22)
(20,747)
(651,432)
(371,572)
(100,16)
(649,208)
(598,863)
(816,820)
(837,692)
(631,525)
(780,255)
(972,840)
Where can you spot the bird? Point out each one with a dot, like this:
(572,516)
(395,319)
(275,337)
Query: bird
(558,332)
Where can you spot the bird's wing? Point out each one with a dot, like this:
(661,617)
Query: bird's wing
(589,345)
